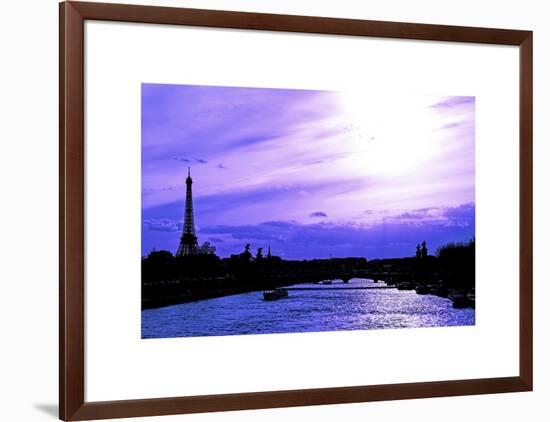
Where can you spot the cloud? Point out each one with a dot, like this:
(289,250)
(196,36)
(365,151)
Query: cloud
(189,160)
(452,125)
(462,215)
(454,102)
(318,214)
(386,238)
(421,214)
(163,225)
(251,140)
(221,166)
(270,195)
(182,159)
(159,189)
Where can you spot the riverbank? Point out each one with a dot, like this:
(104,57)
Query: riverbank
(461,298)
(175,292)
(157,295)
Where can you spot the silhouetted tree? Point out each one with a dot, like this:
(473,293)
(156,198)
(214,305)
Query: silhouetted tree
(418,253)
(158,265)
(207,249)
(160,257)
(457,264)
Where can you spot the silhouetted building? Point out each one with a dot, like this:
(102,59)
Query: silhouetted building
(188,241)
(259,255)
(246,256)
(424,250)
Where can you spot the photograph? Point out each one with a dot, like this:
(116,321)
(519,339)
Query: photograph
(275,210)
(269,210)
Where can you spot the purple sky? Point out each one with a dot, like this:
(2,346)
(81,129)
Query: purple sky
(313,174)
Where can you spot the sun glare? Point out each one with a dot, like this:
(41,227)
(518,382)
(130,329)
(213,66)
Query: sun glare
(391,135)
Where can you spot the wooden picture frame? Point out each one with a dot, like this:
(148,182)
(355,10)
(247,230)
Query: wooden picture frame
(72,405)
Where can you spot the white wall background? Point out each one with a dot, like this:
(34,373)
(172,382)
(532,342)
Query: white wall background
(28,211)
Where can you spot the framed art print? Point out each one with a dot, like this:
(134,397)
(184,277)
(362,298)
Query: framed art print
(273,210)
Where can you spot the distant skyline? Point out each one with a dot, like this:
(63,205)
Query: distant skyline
(311,174)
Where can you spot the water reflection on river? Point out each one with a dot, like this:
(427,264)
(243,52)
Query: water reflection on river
(323,309)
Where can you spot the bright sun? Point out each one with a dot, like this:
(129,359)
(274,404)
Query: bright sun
(392,135)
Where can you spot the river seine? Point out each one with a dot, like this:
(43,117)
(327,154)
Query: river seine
(331,307)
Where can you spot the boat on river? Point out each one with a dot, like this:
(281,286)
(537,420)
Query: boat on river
(440,290)
(472,297)
(423,289)
(278,293)
(459,298)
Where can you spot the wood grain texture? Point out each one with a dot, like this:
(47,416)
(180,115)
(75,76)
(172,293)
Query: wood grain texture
(227,402)
(71,212)
(294,23)
(71,204)
(526,210)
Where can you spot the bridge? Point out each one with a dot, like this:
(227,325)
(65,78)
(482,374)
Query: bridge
(344,275)
(340,288)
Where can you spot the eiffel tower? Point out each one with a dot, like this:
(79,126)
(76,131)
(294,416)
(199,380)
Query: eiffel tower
(188,241)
